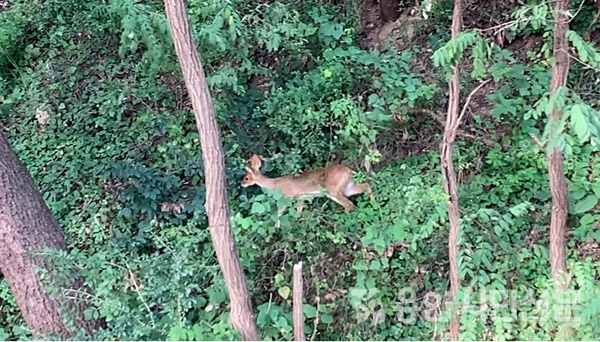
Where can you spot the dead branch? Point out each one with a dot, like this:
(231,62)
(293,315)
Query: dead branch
(297,284)
(466,105)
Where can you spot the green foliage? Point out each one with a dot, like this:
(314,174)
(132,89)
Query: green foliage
(585,50)
(580,118)
(326,105)
(173,290)
(532,17)
(140,23)
(452,52)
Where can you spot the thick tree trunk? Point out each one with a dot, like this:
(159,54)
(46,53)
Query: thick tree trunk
(558,186)
(217,208)
(26,226)
(449,175)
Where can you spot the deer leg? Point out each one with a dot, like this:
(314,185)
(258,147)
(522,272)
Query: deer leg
(343,201)
(355,189)
(299,207)
(279,212)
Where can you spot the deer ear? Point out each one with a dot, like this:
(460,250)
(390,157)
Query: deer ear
(249,170)
(255,162)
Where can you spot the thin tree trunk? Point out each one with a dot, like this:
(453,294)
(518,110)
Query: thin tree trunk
(297,288)
(27,226)
(558,186)
(449,176)
(217,208)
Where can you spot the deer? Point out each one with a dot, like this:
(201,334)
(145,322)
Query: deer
(335,182)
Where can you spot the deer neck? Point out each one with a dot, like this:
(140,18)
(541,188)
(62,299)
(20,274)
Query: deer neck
(266,182)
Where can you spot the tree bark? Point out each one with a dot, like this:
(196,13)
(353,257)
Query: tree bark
(558,186)
(27,226)
(449,175)
(389,10)
(217,208)
(297,288)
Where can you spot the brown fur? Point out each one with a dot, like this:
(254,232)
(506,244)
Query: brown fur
(335,182)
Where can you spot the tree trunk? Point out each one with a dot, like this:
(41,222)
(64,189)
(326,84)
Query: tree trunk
(389,10)
(449,176)
(558,186)
(217,208)
(26,226)
(298,288)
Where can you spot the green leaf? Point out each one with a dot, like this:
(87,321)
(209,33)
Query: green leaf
(578,123)
(257,208)
(309,311)
(282,322)
(3,335)
(578,194)
(126,212)
(398,230)
(89,313)
(596,235)
(245,222)
(328,54)
(177,333)
(284,292)
(327,319)
(360,265)
(585,204)
(375,265)
(333,30)
(596,189)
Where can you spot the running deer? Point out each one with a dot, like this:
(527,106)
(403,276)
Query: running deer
(335,182)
